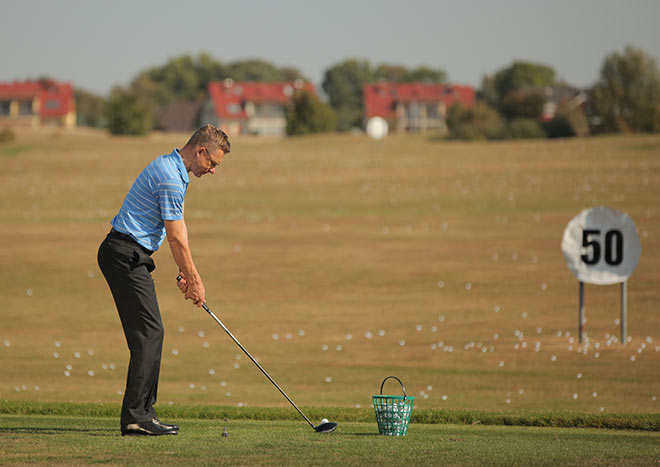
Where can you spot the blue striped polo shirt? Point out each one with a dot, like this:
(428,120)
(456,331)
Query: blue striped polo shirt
(156,195)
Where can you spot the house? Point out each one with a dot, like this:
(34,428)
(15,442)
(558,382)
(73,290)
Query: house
(255,108)
(414,106)
(180,115)
(558,96)
(37,103)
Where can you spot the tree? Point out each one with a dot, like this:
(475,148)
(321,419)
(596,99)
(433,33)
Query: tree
(627,94)
(309,115)
(177,79)
(344,83)
(523,74)
(428,75)
(128,113)
(209,69)
(495,89)
(89,109)
(391,73)
(401,74)
(261,70)
(186,77)
(521,105)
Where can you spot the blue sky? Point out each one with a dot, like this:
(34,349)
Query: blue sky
(96,45)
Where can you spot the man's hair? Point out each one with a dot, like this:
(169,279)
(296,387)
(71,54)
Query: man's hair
(211,137)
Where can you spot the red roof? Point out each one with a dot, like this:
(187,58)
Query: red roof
(229,97)
(380,99)
(56,99)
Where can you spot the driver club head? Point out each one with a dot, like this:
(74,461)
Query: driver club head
(326,427)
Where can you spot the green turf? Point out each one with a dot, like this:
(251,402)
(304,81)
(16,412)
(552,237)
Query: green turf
(622,421)
(73,440)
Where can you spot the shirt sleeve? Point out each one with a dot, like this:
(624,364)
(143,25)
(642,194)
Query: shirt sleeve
(171,195)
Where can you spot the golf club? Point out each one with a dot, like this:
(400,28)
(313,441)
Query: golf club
(326,427)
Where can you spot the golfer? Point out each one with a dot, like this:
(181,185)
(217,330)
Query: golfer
(153,210)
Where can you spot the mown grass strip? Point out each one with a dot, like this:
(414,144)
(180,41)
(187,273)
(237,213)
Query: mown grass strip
(639,422)
(14,150)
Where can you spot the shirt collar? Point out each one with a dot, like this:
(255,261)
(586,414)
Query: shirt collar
(181,166)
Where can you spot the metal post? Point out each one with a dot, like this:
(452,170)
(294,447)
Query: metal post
(581,316)
(624,311)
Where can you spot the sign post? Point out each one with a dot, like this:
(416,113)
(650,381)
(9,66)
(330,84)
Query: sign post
(624,310)
(601,247)
(581,314)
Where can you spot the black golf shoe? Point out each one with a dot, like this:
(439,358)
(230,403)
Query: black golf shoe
(147,428)
(165,425)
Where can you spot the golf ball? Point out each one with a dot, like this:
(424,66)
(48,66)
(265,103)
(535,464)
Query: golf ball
(325,420)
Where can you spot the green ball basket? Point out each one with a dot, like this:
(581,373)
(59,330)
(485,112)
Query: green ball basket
(393,412)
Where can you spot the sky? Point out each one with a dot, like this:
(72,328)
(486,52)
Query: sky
(100,44)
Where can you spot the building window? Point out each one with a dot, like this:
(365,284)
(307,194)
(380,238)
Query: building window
(52,104)
(413,111)
(4,108)
(25,107)
(269,111)
(233,108)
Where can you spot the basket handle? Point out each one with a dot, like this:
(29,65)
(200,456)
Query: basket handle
(402,388)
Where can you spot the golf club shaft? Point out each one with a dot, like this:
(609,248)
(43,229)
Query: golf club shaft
(208,310)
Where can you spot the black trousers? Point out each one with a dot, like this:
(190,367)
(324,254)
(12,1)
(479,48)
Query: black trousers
(127,268)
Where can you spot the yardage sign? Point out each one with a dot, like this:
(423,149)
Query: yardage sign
(601,246)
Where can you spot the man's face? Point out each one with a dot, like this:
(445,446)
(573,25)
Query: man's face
(206,162)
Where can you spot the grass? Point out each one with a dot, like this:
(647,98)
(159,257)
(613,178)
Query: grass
(14,150)
(451,249)
(74,440)
(640,422)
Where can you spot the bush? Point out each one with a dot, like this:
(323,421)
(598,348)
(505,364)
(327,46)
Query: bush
(515,105)
(467,132)
(128,114)
(559,127)
(523,128)
(89,109)
(309,115)
(480,122)
(7,135)
(576,118)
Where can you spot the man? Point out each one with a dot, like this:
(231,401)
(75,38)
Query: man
(152,210)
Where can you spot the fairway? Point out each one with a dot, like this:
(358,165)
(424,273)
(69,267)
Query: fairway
(69,440)
(337,261)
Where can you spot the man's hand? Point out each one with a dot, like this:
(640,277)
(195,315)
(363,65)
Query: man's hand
(194,292)
(182,283)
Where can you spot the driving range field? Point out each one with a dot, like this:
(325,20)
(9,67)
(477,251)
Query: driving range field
(336,261)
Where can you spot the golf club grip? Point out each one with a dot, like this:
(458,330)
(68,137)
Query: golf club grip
(178,278)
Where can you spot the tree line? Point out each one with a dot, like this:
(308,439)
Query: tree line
(626,97)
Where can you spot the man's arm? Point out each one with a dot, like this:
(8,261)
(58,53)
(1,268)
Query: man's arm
(177,237)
